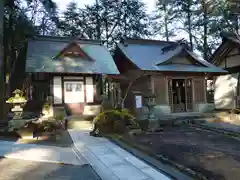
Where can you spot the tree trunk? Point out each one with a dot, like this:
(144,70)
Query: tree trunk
(98,22)
(107,35)
(205,30)
(10,53)
(189,14)
(166,21)
(2,74)
(131,83)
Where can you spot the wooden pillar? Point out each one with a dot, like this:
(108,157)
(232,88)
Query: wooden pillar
(205,90)
(152,78)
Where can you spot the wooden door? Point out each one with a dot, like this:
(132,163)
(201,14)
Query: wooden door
(73,92)
(74,97)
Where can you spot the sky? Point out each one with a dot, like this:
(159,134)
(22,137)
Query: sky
(62,3)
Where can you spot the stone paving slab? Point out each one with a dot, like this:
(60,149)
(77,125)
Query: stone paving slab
(14,169)
(110,161)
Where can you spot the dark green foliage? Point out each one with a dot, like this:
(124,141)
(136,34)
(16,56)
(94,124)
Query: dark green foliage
(113,121)
(19,22)
(52,126)
(71,25)
(201,21)
(164,19)
(114,19)
(45,126)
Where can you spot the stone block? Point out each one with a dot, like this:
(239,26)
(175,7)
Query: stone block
(205,107)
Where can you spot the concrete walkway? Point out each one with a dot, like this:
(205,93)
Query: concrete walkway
(110,161)
(33,152)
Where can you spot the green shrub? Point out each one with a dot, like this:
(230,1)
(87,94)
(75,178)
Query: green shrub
(59,117)
(114,121)
(46,106)
(33,126)
(51,126)
(44,126)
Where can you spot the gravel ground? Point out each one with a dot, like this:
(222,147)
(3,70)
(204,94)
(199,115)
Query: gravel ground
(216,156)
(14,169)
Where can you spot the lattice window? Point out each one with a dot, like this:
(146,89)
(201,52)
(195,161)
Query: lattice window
(199,90)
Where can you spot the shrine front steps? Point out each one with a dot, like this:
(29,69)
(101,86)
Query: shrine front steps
(79,122)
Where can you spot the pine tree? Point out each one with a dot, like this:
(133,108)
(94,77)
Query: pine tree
(203,33)
(229,12)
(113,19)
(164,17)
(71,20)
(185,13)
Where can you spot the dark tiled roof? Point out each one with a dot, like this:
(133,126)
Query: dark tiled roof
(148,55)
(42,50)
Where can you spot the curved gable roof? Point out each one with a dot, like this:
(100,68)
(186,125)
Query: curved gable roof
(228,42)
(149,55)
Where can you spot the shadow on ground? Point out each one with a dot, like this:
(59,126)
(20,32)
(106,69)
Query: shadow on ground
(13,169)
(62,141)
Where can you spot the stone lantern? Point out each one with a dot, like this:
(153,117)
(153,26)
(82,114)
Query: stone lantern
(150,100)
(18,101)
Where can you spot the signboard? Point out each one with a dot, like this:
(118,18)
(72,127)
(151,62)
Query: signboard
(138,100)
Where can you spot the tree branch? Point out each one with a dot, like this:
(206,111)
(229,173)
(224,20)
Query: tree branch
(131,84)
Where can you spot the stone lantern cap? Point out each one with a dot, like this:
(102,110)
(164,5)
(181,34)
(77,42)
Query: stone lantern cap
(17,98)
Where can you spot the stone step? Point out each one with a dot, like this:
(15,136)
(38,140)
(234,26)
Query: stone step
(3,124)
(79,123)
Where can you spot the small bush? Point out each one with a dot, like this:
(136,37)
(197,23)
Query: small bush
(44,126)
(59,117)
(46,106)
(51,126)
(113,121)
